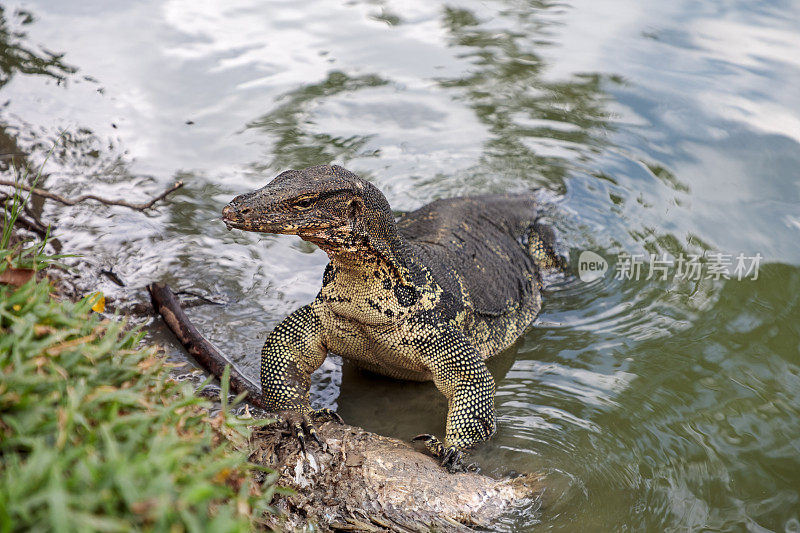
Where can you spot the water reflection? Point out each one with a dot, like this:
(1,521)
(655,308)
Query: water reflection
(703,411)
(18,57)
(539,129)
(295,145)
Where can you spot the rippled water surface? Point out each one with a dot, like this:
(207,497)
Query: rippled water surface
(659,128)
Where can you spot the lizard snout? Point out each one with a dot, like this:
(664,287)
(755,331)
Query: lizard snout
(230,211)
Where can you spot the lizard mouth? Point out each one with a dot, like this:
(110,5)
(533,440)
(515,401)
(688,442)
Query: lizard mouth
(252,225)
(233,222)
(228,224)
(312,229)
(237,220)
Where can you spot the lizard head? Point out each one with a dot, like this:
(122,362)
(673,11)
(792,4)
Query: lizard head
(326,205)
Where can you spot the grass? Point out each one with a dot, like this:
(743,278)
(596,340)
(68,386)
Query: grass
(94,435)
(25,254)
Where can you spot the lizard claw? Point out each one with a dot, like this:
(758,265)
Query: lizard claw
(297,428)
(451,458)
(301,425)
(327,414)
(312,431)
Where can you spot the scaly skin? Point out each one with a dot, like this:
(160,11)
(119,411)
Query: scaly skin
(429,297)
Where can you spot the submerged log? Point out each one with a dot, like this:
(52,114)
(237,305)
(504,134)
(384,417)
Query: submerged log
(366,482)
(363,482)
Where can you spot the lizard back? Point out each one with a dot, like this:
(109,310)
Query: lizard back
(472,247)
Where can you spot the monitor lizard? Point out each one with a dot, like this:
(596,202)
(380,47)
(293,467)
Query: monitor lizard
(430,296)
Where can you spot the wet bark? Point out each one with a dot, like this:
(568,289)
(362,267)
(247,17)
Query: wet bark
(363,481)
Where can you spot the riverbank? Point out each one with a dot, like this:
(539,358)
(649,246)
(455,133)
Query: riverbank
(94,433)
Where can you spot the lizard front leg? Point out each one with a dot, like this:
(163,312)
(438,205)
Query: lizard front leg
(461,375)
(291,353)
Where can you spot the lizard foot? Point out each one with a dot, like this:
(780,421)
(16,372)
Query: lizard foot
(300,424)
(451,457)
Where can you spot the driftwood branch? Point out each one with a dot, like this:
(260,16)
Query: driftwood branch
(167,305)
(72,201)
(32,225)
(363,481)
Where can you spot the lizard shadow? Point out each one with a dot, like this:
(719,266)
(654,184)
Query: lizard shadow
(402,409)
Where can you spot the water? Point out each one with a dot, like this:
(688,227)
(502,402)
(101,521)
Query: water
(659,128)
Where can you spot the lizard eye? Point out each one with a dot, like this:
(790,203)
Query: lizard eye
(305,203)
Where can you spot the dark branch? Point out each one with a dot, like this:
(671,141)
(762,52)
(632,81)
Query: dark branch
(32,225)
(167,305)
(73,201)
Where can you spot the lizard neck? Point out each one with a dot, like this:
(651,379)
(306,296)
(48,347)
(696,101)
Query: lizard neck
(367,288)
(370,241)
(377,280)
